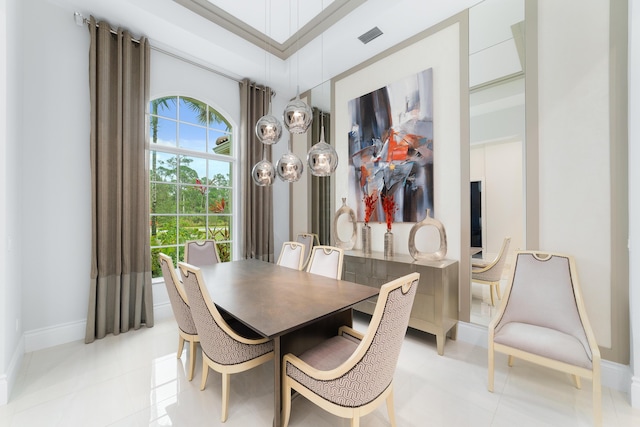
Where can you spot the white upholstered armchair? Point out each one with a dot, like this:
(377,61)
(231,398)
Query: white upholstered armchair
(542,319)
(326,261)
(292,255)
(351,374)
(491,273)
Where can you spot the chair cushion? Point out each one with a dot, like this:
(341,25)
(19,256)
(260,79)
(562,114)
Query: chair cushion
(330,353)
(545,342)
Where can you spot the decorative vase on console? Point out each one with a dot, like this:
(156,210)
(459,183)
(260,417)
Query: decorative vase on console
(344,210)
(369,203)
(442,250)
(389,207)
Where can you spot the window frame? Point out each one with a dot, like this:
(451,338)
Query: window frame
(233,160)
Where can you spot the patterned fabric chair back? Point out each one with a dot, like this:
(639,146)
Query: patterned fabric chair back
(177,296)
(292,255)
(216,343)
(373,373)
(201,252)
(326,261)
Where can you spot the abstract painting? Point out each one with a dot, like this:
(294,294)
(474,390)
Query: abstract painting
(391,148)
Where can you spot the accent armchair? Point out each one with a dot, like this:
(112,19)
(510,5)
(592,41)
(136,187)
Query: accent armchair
(491,273)
(223,349)
(351,374)
(542,319)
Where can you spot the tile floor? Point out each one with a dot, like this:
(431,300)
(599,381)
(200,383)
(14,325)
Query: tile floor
(134,379)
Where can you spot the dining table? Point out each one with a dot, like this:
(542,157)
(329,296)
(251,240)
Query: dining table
(296,309)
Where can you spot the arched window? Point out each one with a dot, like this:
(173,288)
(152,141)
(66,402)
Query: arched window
(190,176)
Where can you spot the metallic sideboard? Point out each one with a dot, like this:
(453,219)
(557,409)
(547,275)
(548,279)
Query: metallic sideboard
(435,308)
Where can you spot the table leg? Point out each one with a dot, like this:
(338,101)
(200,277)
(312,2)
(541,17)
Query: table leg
(277,383)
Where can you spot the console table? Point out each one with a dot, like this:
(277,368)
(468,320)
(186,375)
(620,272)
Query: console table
(435,308)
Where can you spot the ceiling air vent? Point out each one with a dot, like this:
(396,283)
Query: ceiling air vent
(370,35)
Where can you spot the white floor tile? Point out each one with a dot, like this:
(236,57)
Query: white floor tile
(134,379)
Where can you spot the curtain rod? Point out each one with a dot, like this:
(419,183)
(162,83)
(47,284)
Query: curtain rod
(81,20)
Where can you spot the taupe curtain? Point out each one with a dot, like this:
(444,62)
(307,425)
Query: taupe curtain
(120,287)
(321,215)
(257,201)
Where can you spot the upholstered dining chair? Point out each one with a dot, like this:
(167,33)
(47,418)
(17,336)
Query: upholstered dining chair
(201,252)
(491,273)
(309,240)
(292,255)
(351,374)
(181,311)
(542,319)
(326,261)
(223,349)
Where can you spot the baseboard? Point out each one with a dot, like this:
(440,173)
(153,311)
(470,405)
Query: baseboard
(8,379)
(613,375)
(634,392)
(63,333)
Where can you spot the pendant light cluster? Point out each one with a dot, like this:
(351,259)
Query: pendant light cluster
(297,117)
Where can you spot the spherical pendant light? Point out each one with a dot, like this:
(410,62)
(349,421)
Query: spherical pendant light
(263,173)
(268,129)
(289,167)
(297,116)
(322,158)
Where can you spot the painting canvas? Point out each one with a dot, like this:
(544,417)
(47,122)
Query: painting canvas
(391,148)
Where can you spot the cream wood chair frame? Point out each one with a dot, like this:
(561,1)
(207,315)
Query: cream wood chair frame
(199,245)
(309,240)
(290,249)
(407,284)
(188,272)
(316,263)
(575,371)
(491,273)
(183,336)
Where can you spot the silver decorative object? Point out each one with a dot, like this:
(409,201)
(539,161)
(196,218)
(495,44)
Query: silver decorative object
(297,116)
(322,158)
(289,167)
(366,239)
(435,256)
(388,244)
(344,210)
(268,129)
(263,173)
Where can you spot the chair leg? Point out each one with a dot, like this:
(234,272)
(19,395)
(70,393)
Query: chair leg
(491,366)
(390,409)
(576,382)
(286,402)
(491,292)
(205,374)
(192,359)
(355,421)
(597,400)
(225,396)
(510,361)
(180,346)
(498,293)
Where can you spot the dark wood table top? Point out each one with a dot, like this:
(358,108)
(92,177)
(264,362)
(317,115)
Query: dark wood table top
(274,300)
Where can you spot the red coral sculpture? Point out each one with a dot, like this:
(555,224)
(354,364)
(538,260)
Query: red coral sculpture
(389,207)
(369,204)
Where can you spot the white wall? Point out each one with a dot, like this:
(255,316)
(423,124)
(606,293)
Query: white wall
(55,175)
(499,165)
(573,55)
(11,345)
(634,196)
(439,51)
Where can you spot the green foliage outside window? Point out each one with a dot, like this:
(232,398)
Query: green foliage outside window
(191,180)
